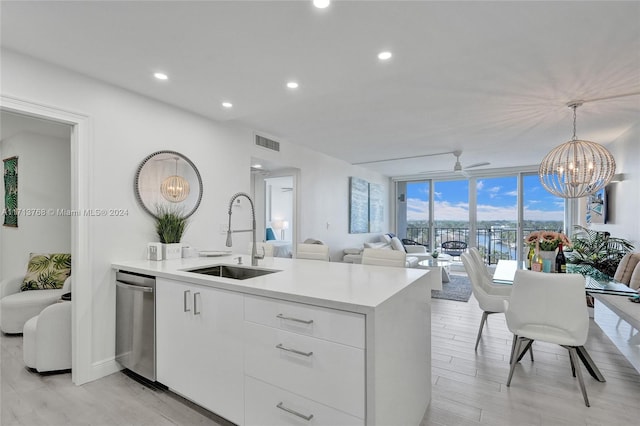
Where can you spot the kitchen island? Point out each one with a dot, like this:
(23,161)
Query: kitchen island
(318,342)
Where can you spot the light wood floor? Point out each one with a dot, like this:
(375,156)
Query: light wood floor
(468,387)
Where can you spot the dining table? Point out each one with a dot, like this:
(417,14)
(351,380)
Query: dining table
(506,270)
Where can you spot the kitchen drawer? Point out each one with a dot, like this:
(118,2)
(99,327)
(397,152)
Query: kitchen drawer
(329,324)
(329,373)
(262,401)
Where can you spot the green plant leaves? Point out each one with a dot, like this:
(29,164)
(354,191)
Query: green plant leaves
(170,224)
(597,250)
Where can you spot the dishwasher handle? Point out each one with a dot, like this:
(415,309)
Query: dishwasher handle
(134,287)
(135,279)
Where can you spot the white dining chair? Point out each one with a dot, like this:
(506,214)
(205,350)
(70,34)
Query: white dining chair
(383,257)
(549,308)
(313,252)
(490,296)
(477,257)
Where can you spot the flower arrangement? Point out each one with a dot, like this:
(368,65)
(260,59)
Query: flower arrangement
(548,240)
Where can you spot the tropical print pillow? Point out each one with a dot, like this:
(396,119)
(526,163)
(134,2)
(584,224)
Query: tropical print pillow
(47,271)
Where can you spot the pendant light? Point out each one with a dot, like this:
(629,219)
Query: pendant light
(175,188)
(576,168)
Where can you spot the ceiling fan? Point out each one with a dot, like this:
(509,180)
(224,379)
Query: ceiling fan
(457,167)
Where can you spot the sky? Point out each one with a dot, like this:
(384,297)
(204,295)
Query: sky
(496,200)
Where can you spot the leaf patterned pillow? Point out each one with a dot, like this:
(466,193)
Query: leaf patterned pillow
(47,271)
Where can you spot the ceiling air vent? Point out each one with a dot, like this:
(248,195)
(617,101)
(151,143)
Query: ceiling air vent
(267,143)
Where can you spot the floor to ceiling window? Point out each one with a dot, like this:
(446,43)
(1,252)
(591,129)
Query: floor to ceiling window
(484,212)
(450,211)
(497,217)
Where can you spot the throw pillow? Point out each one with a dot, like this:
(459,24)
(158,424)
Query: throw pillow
(47,271)
(396,244)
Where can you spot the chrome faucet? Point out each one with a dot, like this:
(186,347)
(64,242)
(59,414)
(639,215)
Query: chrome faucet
(254,253)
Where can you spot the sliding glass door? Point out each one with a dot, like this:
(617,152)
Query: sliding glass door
(492,213)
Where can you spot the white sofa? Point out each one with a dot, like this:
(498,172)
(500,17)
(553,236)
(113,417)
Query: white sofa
(17,307)
(414,253)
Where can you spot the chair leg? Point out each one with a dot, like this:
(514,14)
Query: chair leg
(513,348)
(485,314)
(517,343)
(573,354)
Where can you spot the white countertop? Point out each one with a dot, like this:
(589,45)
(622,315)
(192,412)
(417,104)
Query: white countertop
(352,287)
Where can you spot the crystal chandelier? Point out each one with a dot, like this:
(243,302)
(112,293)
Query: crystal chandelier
(175,188)
(576,168)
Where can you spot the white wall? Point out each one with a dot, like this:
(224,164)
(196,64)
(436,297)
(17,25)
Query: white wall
(126,128)
(43,184)
(323,195)
(624,197)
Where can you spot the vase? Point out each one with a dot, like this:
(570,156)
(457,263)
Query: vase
(172,251)
(548,260)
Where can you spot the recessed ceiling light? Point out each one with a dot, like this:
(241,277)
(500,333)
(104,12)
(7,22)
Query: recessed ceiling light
(161,76)
(321,4)
(227,104)
(383,56)
(257,166)
(292,85)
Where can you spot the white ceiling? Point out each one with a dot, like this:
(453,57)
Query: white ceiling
(489,78)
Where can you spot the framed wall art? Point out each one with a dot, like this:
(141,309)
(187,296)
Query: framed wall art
(11,192)
(597,207)
(358,206)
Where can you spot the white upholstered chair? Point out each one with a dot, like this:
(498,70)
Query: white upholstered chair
(383,257)
(490,296)
(47,339)
(312,251)
(626,268)
(549,308)
(263,248)
(477,257)
(16,307)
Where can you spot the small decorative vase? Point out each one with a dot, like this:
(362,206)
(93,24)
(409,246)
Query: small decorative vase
(172,251)
(548,260)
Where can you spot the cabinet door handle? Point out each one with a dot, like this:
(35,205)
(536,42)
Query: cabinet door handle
(294,319)
(295,351)
(294,412)
(196,296)
(187,298)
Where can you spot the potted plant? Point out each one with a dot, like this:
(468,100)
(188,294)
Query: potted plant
(597,253)
(170,225)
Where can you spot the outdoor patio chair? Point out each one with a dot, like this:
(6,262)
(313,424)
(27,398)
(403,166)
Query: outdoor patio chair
(454,248)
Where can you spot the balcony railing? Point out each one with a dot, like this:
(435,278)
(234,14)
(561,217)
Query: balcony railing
(493,243)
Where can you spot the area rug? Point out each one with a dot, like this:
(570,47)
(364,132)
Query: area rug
(458,288)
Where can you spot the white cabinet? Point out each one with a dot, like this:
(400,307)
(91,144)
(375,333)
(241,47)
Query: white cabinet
(200,346)
(303,360)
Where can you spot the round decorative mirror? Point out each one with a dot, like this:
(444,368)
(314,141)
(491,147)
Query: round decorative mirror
(168,180)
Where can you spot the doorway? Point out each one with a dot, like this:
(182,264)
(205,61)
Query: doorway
(82,301)
(274,189)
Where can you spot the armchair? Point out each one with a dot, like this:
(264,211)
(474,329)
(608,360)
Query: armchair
(47,339)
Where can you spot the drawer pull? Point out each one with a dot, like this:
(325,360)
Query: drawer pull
(294,319)
(294,412)
(295,351)
(187,297)
(196,296)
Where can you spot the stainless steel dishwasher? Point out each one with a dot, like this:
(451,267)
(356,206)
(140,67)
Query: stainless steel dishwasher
(136,323)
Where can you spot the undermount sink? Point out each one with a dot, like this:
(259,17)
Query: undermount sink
(230,271)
